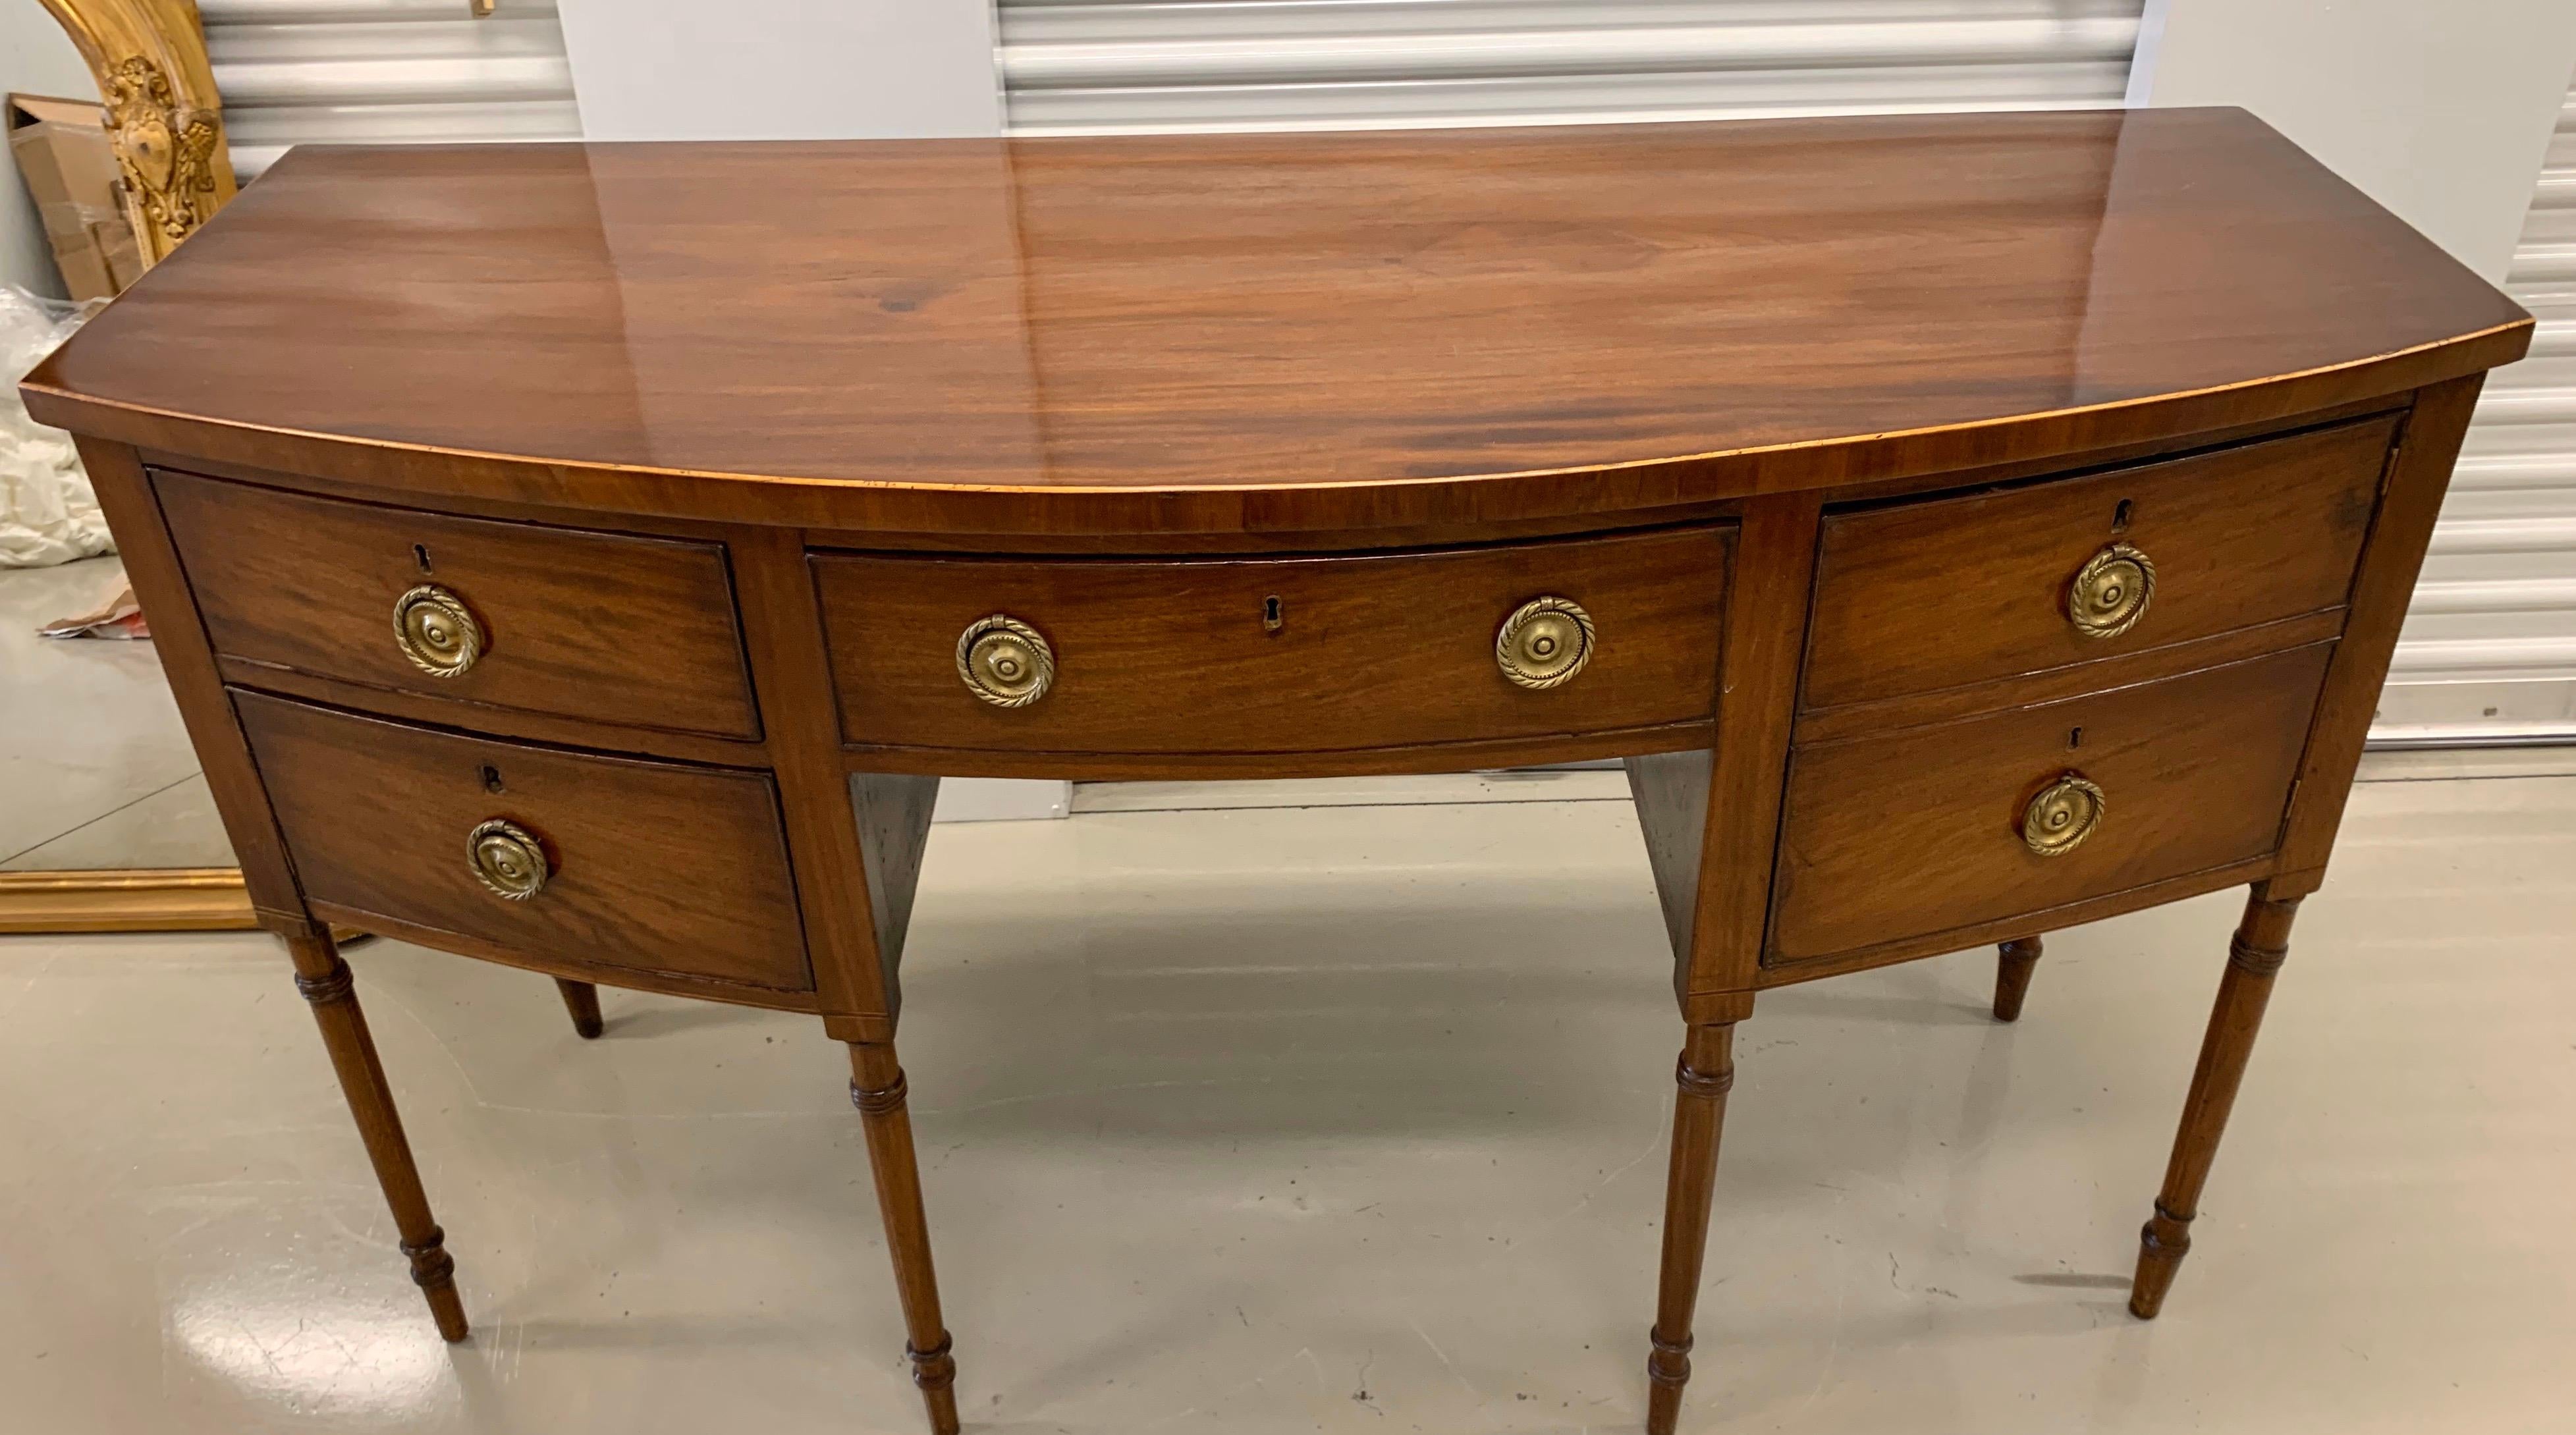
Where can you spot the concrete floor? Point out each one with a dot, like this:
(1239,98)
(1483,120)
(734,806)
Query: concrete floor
(1332,1119)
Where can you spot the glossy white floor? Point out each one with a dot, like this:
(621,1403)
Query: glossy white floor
(1338,1119)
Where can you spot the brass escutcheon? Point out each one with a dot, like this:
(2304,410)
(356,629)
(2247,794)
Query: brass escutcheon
(507,859)
(1004,661)
(433,629)
(1545,642)
(2063,814)
(2111,592)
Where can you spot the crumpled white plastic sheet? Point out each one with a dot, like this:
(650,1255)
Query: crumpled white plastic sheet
(48,513)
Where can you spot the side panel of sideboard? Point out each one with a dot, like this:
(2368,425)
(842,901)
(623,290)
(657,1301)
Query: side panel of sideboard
(2427,451)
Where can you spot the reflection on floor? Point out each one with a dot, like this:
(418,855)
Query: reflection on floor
(1339,1119)
(96,767)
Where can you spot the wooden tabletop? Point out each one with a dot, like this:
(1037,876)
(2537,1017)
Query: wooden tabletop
(1498,316)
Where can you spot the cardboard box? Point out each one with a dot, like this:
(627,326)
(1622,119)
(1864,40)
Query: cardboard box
(62,151)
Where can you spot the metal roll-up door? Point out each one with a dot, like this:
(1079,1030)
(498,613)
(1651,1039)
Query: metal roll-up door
(2489,649)
(385,71)
(1106,65)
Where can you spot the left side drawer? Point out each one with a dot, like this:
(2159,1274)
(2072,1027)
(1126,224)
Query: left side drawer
(609,627)
(548,855)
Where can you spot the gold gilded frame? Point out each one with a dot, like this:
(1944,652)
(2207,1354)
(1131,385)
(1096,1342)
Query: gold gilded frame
(166,125)
(164,118)
(165,121)
(165,899)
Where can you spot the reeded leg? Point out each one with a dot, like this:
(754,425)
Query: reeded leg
(1706,1070)
(877,1088)
(2261,943)
(2014,959)
(582,1000)
(324,980)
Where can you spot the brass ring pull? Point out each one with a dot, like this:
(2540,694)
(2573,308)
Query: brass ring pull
(2063,814)
(434,630)
(2111,592)
(1004,661)
(507,859)
(1544,643)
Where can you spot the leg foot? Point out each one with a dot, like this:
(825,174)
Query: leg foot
(582,1000)
(324,980)
(2261,943)
(2013,964)
(877,1089)
(1706,1072)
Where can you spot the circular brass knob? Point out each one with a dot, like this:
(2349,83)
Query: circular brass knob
(1004,661)
(433,629)
(1545,642)
(507,859)
(2063,814)
(2111,592)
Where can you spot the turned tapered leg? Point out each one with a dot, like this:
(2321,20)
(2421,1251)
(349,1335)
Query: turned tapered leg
(2013,962)
(1706,1070)
(324,980)
(2261,943)
(582,1000)
(877,1088)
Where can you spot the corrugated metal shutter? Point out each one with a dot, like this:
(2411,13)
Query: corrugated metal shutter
(1103,65)
(378,71)
(2489,650)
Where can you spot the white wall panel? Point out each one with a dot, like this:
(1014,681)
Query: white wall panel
(2492,636)
(1107,65)
(783,69)
(385,71)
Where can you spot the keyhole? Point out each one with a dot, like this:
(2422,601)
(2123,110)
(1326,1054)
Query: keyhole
(2074,738)
(2120,515)
(491,778)
(420,555)
(1273,614)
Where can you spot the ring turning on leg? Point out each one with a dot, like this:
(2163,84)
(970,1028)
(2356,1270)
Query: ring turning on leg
(877,1089)
(1705,1073)
(324,980)
(2261,943)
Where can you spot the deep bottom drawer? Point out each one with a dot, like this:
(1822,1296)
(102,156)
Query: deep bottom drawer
(647,865)
(1922,831)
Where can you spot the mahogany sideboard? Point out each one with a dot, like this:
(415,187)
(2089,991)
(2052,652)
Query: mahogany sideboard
(1964,526)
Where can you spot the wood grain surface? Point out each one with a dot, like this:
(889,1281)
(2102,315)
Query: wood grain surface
(1267,434)
(603,626)
(1277,655)
(655,866)
(1268,332)
(1919,831)
(1921,596)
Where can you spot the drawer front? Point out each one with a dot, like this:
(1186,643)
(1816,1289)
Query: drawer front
(651,866)
(607,627)
(1282,655)
(1922,831)
(1952,591)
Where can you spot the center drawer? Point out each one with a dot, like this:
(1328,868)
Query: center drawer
(538,854)
(1278,655)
